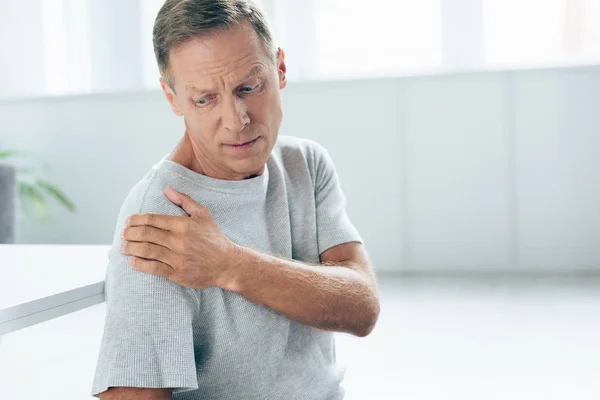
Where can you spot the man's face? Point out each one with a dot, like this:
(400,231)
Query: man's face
(227,88)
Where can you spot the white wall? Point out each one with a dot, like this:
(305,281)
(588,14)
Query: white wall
(116,51)
(486,171)
(22,55)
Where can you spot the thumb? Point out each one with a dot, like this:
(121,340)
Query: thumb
(184,201)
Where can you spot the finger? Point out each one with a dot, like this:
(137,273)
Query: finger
(160,221)
(148,251)
(151,266)
(189,205)
(150,234)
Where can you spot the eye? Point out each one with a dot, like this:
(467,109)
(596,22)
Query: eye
(249,89)
(203,101)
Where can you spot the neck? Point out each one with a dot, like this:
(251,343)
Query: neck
(187,154)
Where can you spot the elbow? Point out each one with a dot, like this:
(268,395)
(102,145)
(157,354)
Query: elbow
(371,315)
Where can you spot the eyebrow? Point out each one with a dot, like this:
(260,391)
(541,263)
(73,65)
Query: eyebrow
(253,72)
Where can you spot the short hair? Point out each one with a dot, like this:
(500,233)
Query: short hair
(181,20)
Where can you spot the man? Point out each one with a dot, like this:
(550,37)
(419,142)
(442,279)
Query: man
(233,259)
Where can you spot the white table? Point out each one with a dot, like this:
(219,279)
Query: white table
(43,282)
(48,350)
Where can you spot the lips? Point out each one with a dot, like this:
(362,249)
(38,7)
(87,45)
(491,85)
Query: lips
(244,144)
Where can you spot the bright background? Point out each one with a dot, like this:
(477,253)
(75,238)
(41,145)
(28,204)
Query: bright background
(466,134)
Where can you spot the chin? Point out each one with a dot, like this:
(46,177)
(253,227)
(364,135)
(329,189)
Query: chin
(254,161)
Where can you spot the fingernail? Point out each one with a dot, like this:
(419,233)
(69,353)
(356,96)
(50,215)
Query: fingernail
(132,261)
(123,244)
(122,233)
(128,221)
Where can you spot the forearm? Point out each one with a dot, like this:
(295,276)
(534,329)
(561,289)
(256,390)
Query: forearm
(332,297)
(131,393)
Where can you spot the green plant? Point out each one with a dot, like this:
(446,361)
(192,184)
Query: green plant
(35,191)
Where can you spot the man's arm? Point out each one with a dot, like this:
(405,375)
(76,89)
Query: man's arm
(130,393)
(338,295)
(148,331)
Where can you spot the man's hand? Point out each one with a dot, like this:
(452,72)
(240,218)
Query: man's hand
(191,251)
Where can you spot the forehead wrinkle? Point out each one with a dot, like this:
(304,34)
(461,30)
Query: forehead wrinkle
(225,64)
(256,70)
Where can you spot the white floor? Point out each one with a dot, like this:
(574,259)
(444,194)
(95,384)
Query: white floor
(488,339)
(436,339)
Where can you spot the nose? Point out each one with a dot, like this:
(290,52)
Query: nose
(235,114)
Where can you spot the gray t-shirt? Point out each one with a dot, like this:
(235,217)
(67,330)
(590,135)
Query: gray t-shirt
(211,343)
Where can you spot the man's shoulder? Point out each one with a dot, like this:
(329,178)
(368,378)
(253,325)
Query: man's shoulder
(139,194)
(294,144)
(147,195)
(291,149)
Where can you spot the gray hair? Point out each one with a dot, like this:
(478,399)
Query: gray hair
(181,20)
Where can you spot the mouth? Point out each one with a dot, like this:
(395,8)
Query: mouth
(243,146)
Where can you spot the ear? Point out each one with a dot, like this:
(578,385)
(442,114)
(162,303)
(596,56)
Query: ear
(170,95)
(281,68)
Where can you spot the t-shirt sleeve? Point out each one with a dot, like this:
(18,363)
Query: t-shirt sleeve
(148,335)
(333,225)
